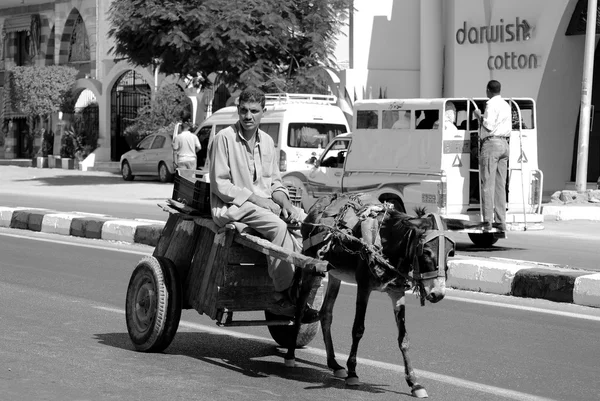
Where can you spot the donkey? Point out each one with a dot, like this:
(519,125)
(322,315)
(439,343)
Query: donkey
(378,248)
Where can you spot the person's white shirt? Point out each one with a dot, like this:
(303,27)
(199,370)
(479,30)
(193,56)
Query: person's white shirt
(497,119)
(186,145)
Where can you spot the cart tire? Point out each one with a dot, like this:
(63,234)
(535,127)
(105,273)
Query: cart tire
(283,334)
(484,240)
(153,304)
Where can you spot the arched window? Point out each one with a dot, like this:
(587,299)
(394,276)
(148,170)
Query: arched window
(79,48)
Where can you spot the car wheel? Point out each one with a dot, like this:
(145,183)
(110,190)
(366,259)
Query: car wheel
(164,175)
(126,172)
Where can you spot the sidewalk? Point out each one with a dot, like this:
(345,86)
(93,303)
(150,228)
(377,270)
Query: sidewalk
(505,277)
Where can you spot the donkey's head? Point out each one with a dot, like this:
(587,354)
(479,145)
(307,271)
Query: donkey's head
(418,246)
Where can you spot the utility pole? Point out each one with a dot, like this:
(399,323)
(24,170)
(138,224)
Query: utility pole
(586,95)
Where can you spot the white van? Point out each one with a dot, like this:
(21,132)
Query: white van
(401,152)
(301,126)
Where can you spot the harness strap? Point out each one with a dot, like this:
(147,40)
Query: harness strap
(314,240)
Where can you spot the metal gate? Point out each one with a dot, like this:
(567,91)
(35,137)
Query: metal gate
(128,94)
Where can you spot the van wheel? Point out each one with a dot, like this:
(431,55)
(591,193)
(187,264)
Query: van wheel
(484,240)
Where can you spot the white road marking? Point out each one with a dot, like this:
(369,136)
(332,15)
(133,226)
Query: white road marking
(526,308)
(56,241)
(453,381)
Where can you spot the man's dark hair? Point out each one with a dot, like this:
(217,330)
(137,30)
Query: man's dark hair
(494,87)
(252,95)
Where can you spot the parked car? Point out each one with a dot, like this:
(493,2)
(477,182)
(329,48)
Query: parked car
(153,156)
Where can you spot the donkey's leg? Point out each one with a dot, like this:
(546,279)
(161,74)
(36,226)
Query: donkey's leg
(333,288)
(358,329)
(399,312)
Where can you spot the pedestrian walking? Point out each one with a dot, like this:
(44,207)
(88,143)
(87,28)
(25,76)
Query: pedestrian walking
(185,147)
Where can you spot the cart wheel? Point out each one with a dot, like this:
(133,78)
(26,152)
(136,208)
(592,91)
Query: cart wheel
(153,304)
(282,334)
(484,240)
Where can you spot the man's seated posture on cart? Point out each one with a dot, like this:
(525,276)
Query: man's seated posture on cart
(246,187)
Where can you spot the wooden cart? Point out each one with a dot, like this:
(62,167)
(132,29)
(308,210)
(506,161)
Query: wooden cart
(217,272)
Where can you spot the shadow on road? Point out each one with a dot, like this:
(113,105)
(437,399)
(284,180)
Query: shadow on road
(246,356)
(468,247)
(72,180)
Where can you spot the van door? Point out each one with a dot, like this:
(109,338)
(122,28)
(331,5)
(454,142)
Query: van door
(326,177)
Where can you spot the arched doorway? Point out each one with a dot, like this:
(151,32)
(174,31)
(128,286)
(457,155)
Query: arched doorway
(128,94)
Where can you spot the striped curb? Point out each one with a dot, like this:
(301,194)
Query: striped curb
(524,279)
(495,276)
(85,225)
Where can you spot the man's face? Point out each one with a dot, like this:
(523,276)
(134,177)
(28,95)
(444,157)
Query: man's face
(250,114)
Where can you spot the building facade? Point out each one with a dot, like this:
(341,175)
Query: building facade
(452,48)
(391,48)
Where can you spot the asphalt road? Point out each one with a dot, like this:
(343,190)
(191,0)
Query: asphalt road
(565,243)
(64,337)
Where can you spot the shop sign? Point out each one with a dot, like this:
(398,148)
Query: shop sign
(520,31)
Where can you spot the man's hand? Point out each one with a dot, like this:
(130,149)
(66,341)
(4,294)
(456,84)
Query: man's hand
(477,113)
(289,213)
(265,203)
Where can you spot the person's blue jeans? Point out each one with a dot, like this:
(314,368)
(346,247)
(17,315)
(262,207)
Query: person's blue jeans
(493,166)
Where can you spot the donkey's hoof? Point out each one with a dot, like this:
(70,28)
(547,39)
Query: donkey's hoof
(289,363)
(420,393)
(340,373)
(352,381)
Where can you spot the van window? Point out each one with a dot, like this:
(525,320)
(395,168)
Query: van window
(313,135)
(273,130)
(426,118)
(367,119)
(526,115)
(396,119)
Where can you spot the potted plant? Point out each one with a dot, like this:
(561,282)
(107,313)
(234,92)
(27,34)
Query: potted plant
(69,148)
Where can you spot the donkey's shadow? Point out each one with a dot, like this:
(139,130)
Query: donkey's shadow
(252,358)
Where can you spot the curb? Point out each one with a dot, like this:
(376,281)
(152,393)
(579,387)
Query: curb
(490,275)
(85,225)
(559,212)
(525,280)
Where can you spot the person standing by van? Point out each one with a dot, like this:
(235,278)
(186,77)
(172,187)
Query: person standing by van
(185,147)
(495,127)
(246,187)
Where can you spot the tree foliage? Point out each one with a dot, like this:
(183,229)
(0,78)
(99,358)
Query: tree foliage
(169,106)
(268,43)
(41,90)
(38,91)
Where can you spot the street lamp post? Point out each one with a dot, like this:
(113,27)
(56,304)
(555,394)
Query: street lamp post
(586,95)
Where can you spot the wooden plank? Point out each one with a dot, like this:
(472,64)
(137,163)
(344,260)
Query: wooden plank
(269,249)
(214,268)
(245,298)
(245,323)
(240,254)
(193,283)
(246,275)
(165,236)
(182,245)
(207,222)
